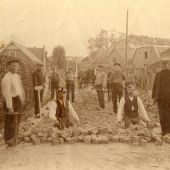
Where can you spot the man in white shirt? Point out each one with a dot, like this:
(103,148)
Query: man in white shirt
(13,94)
(131,109)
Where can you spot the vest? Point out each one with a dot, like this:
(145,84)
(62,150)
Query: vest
(131,107)
(62,110)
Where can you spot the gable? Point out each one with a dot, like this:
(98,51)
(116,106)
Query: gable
(144,55)
(11,47)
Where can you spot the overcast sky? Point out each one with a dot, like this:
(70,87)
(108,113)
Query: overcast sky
(71,22)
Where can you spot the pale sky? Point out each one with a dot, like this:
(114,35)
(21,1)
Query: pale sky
(71,22)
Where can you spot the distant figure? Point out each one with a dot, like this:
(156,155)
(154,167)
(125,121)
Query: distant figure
(55,82)
(117,82)
(14,96)
(109,84)
(161,96)
(100,85)
(64,111)
(38,80)
(131,109)
(70,84)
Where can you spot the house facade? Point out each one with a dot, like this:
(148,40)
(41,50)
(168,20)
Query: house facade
(143,63)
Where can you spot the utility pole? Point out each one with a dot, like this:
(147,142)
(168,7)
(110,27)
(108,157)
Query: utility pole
(126,52)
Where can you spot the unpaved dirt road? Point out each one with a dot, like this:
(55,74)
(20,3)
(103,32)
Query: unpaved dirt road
(85,157)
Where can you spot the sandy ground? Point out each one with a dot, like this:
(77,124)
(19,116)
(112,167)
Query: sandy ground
(87,157)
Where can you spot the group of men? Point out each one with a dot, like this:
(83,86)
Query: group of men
(130,109)
(14,96)
(114,81)
(69,84)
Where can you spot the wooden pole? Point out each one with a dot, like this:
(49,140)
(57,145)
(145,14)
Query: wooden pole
(126,52)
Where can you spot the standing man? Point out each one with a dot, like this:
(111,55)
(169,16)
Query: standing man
(70,84)
(55,82)
(14,96)
(38,80)
(161,96)
(117,83)
(100,85)
(109,84)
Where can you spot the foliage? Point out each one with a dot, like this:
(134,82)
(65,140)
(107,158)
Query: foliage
(105,40)
(59,57)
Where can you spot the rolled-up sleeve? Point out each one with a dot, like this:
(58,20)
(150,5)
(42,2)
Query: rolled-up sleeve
(6,91)
(142,112)
(72,113)
(104,82)
(120,113)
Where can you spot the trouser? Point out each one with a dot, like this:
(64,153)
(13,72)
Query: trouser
(36,104)
(70,86)
(100,95)
(54,90)
(10,120)
(131,121)
(109,90)
(117,92)
(164,114)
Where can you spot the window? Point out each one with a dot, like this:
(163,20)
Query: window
(12,53)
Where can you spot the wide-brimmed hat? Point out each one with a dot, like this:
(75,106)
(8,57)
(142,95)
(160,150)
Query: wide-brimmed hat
(12,60)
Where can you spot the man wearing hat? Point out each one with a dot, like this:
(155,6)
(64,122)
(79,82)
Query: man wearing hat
(38,80)
(14,96)
(100,84)
(161,96)
(117,81)
(65,113)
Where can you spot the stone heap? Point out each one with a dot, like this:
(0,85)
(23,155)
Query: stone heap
(46,132)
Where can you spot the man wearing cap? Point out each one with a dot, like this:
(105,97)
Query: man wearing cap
(14,96)
(117,82)
(100,84)
(70,84)
(38,80)
(65,113)
(161,96)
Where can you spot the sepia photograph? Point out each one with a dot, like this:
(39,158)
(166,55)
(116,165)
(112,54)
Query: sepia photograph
(84,85)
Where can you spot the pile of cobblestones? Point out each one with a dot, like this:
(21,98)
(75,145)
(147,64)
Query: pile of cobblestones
(46,132)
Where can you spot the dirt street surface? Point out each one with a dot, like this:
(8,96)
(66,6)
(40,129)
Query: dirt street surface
(79,156)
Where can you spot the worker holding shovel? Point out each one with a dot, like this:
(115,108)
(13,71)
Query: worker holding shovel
(13,94)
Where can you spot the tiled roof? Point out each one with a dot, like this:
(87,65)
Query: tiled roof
(27,52)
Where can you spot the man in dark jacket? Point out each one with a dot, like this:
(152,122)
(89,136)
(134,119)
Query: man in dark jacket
(54,82)
(70,84)
(117,81)
(161,96)
(38,80)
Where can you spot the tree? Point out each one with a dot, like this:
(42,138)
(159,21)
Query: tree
(59,57)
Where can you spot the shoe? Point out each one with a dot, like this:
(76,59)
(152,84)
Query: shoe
(37,116)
